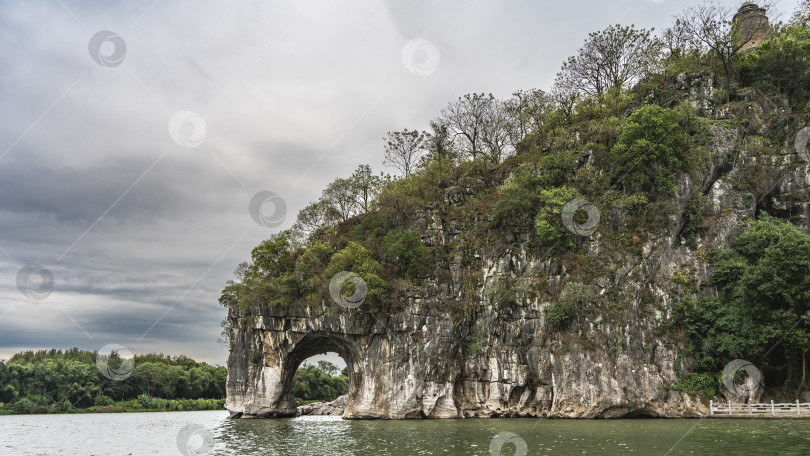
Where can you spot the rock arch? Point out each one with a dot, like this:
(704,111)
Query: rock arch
(264,359)
(395,369)
(312,344)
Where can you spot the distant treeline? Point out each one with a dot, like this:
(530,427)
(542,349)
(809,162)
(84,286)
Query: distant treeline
(64,381)
(323,382)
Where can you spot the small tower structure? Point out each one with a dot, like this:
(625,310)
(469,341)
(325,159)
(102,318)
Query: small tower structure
(751,26)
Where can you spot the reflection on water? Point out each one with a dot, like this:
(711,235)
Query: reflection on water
(177,433)
(333,436)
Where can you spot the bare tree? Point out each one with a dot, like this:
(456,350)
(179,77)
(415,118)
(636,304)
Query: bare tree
(439,144)
(676,42)
(465,119)
(566,99)
(340,201)
(802,14)
(328,368)
(615,57)
(403,149)
(495,132)
(527,111)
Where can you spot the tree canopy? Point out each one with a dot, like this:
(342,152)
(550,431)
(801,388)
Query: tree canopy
(321,382)
(763,307)
(56,380)
(649,150)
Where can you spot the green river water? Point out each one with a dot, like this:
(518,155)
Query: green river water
(211,433)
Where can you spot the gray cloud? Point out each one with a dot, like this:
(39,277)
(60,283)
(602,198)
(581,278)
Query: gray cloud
(293,94)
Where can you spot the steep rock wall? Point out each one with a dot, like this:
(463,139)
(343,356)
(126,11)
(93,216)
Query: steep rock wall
(414,364)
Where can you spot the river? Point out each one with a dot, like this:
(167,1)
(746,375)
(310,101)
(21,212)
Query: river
(210,432)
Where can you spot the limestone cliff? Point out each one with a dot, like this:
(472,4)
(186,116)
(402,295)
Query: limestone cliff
(501,356)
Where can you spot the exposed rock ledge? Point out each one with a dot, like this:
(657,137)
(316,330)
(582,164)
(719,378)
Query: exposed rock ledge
(334,408)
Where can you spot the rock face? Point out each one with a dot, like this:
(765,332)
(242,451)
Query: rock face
(334,408)
(700,90)
(503,358)
(413,364)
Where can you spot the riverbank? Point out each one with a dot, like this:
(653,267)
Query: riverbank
(134,405)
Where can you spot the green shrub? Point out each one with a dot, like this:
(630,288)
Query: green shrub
(373,225)
(400,199)
(356,258)
(548,223)
(693,383)
(26,405)
(558,314)
(311,263)
(781,63)
(521,195)
(575,298)
(614,102)
(649,151)
(269,280)
(556,169)
(694,220)
(102,401)
(144,400)
(518,204)
(406,250)
(65,406)
(475,342)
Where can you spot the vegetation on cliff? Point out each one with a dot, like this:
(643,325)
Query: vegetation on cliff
(761,309)
(623,129)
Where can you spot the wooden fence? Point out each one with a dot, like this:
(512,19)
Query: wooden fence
(788,410)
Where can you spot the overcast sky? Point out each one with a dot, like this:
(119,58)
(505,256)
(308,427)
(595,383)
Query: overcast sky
(139,219)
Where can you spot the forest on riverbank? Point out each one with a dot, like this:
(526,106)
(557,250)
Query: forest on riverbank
(322,382)
(73,380)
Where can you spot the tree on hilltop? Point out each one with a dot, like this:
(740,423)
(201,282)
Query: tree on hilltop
(617,57)
(403,149)
(478,125)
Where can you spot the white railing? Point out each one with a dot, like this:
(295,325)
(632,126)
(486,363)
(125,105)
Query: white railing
(772,409)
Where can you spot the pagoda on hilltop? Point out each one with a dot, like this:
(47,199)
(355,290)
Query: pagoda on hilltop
(751,26)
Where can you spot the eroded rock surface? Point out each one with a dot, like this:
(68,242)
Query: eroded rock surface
(333,408)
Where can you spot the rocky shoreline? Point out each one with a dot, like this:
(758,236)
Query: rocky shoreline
(334,408)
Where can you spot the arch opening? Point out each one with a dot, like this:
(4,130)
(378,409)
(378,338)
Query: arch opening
(320,378)
(314,346)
